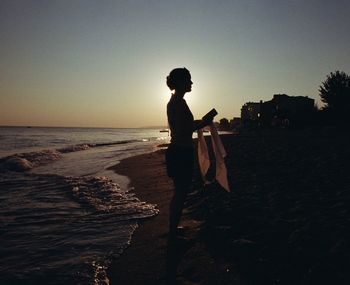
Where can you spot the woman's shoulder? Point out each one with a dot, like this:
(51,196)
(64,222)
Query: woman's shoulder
(177,105)
(174,101)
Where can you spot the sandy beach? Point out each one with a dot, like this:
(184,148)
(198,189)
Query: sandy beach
(286,220)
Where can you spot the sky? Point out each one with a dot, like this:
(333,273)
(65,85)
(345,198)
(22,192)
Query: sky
(103,63)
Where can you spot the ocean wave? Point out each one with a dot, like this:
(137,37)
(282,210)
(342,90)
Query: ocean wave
(71,225)
(103,195)
(74,148)
(25,161)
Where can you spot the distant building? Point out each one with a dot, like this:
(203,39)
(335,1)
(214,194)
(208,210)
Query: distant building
(281,111)
(250,113)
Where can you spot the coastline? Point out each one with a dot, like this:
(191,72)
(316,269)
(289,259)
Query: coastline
(142,260)
(284,222)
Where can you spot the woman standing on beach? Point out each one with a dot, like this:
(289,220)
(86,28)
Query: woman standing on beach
(180,153)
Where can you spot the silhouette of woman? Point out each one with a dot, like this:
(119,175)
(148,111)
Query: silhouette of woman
(180,153)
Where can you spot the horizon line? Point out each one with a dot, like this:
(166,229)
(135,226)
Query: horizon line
(82,127)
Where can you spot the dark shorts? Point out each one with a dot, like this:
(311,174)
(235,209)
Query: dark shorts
(179,162)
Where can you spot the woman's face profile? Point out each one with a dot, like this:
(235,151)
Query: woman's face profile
(186,85)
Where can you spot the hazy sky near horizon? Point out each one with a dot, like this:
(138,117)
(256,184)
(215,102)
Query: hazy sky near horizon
(103,63)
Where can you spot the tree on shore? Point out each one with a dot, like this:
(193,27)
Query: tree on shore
(335,93)
(224,125)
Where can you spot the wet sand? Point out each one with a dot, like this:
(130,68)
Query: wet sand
(286,220)
(143,261)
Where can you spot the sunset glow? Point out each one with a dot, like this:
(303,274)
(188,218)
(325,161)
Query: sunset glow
(104,63)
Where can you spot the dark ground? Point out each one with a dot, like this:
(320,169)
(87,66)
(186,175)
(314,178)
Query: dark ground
(286,220)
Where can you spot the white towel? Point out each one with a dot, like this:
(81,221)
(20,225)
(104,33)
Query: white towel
(220,154)
(203,156)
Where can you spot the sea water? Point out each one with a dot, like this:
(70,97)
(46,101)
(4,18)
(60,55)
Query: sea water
(63,214)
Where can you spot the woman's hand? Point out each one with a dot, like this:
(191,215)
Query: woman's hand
(207,121)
